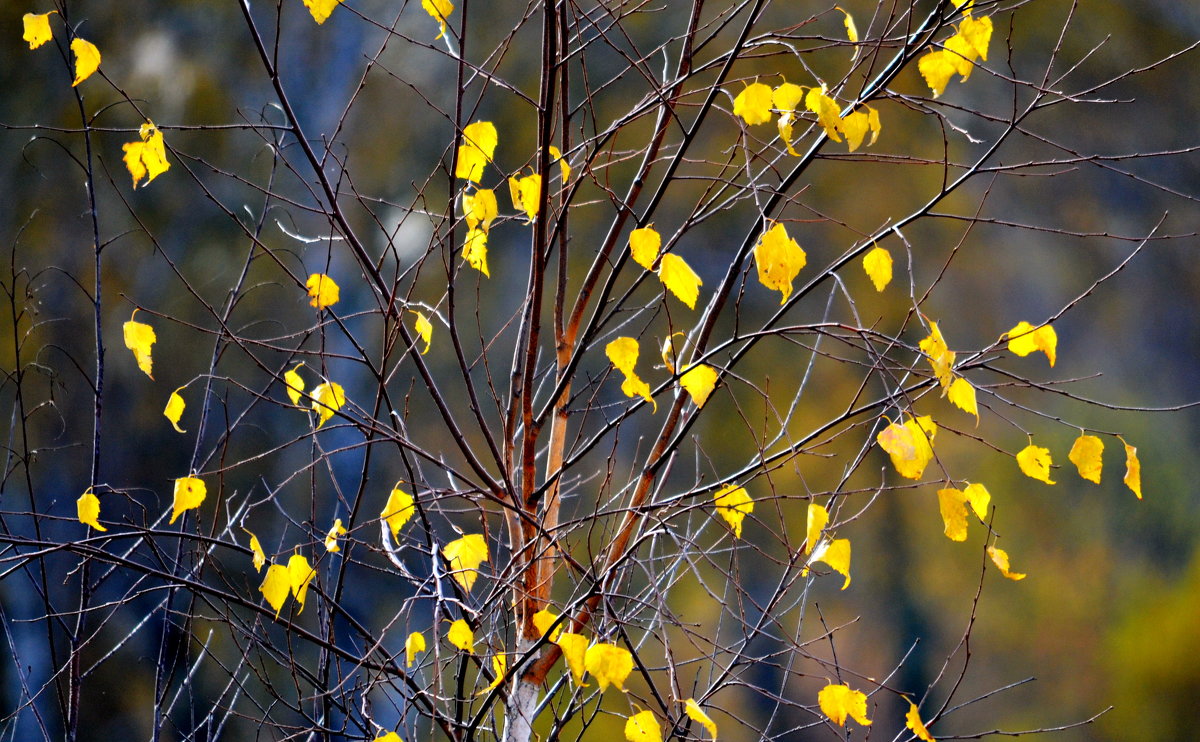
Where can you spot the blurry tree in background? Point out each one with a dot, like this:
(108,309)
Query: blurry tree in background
(497,371)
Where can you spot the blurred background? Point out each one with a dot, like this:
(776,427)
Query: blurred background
(1108,616)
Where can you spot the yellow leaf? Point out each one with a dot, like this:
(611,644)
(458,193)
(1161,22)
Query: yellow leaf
(836,554)
(88,507)
(138,338)
(87,59)
(563,165)
(424,329)
(910,445)
(733,504)
(937,67)
(399,508)
(294,384)
(878,265)
(643,727)
(1025,339)
(1035,462)
(471,163)
(321,9)
(527,194)
(574,650)
(464,556)
(851,29)
(940,357)
(331,538)
(912,720)
(389,737)
(461,636)
(874,125)
(37,28)
(276,587)
(962,395)
(667,352)
(855,126)
(979,499)
(257,554)
(543,620)
(818,518)
(953,505)
(699,382)
(977,32)
(787,96)
(753,104)
(475,250)
(609,664)
(826,108)
(412,645)
(1133,470)
(300,573)
(439,10)
(499,668)
(680,279)
(962,55)
(479,141)
(328,398)
(174,410)
(189,493)
(696,714)
(779,259)
(322,291)
(838,701)
(623,352)
(1088,456)
(480,208)
(643,246)
(1000,558)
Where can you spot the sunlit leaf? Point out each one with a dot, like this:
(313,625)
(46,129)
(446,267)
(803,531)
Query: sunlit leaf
(643,727)
(696,714)
(321,9)
(37,28)
(953,506)
(608,664)
(856,125)
(464,556)
(978,498)
(526,194)
(257,555)
(300,573)
(836,554)
(912,720)
(937,67)
(294,383)
(1000,558)
(331,538)
(174,410)
(643,246)
(962,396)
(322,291)
(189,493)
(1035,462)
(424,329)
(439,10)
(138,338)
(87,59)
(461,636)
(399,508)
(475,250)
(786,98)
(961,54)
(826,108)
(851,29)
(680,279)
(733,504)
(499,668)
(977,32)
(471,163)
(623,352)
(574,649)
(88,508)
(838,701)
(276,587)
(818,518)
(146,158)
(328,398)
(479,142)
(389,737)
(699,382)
(910,445)
(480,208)
(1025,339)
(543,620)
(878,265)
(939,356)
(412,645)
(753,104)
(1133,470)
(1087,454)
(563,165)
(779,259)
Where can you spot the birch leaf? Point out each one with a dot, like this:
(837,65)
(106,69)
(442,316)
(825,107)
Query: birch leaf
(910,445)
(439,10)
(300,573)
(563,166)
(623,352)
(699,382)
(479,138)
(912,720)
(733,504)
(174,410)
(574,649)
(977,33)
(1087,454)
(321,9)
(779,259)
(953,505)
(399,508)
(1025,339)
(826,109)
(146,158)
(138,338)
(937,67)
(851,29)
(328,398)
(294,383)
(276,587)
(499,668)
(412,645)
(1133,470)
(464,556)
(37,28)
(189,493)
(1035,463)
(608,664)
(940,357)
(643,727)
(461,636)
(480,208)
(475,250)
(257,554)
(644,244)
(962,396)
(818,518)
(838,701)
(424,330)
(979,499)
(322,291)
(88,507)
(786,98)
(87,59)
(389,737)
(696,714)
(543,620)
(680,279)
(1000,558)
(331,538)
(753,104)
(836,554)
(878,265)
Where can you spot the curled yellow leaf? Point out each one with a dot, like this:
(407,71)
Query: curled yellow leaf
(139,338)
(499,668)
(826,108)
(276,586)
(563,166)
(439,10)
(696,714)
(953,505)
(838,701)
(526,194)
(940,357)
(1000,558)
(88,508)
(174,410)
(480,208)
(851,29)
(818,518)
(189,494)
(328,398)
(257,554)
(294,383)
(475,250)
(910,445)
(424,329)
(733,504)
(574,650)
(962,396)
(1133,470)
(87,59)
(978,498)
(331,538)
(300,573)
(1025,339)
(836,554)
(543,620)
(912,720)
(623,353)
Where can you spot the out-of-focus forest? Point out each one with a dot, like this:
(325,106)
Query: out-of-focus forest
(1108,615)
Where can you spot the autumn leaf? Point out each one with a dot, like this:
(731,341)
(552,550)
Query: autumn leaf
(174,410)
(826,108)
(138,338)
(322,291)
(839,701)
(878,265)
(499,668)
(1087,454)
(939,356)
(851,29)
(475,250)
(439,10)
(818,518)
(331,538)
(461,636)
(87,59)
(321,9)
(643,246)
(424,329)
(389,737)
(464,556)
(753,104)
(643,727)
(412,645)
(146,158)
(276,587)
(37,28)
(836,554)
(962,395)
(978,498)
(696,714)
(786,98)
(88,508)
(699,381)
(526,194)
(910,445)
(328,398)
(937,67)
(1035,462)
(294,383)
(300,573)
(680,279)
(480,208)
(189,493)
(1025,339)
(977,33)
(733,504)
(608,664)
(399,508)
(479,140)
(779,259)
(574,649)
(257,555)
(953,506)
(1133,470)
(1000,558)
(857,125)
(623,353)
(912,720)
(563,166)
(543,620)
